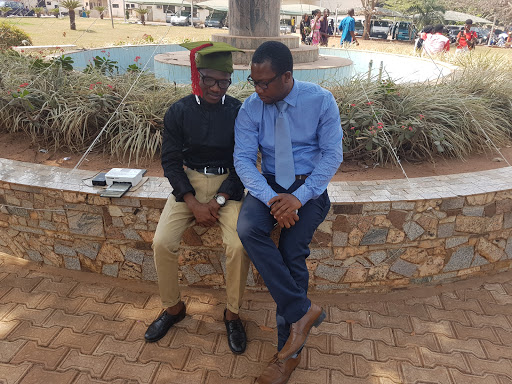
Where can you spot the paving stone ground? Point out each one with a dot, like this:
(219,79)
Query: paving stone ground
(59,326)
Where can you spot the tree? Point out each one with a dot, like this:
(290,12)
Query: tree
(488,9)
(369,10)
(399,5)
(427,12)
(4,10)
(55,12)
(141,12)
(71,5)
(100,10)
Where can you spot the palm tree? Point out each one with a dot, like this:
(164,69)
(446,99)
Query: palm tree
(427,12)
(100,10)
(4,10)
(55,12)
(38,11)
(142,12)
(71,5)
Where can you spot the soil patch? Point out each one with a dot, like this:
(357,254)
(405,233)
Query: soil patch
(18,147)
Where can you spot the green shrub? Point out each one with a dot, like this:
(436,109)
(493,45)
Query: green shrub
(12,36)
(66,109)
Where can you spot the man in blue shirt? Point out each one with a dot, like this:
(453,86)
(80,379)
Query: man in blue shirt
(312,118)
(347,27)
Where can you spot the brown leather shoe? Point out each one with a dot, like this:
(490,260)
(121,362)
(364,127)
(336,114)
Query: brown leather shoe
(299,331)
(277,371)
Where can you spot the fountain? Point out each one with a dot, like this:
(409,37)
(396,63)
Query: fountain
(251,23)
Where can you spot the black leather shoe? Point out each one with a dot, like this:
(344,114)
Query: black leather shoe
(162,324)
(237,339)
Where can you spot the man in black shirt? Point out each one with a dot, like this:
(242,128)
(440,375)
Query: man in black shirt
(199,134)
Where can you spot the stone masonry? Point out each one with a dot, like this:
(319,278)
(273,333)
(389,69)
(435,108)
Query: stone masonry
(375,245)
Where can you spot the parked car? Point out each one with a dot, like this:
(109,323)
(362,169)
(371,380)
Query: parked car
(482,35)
(453,31)
(17,8)
(183,18)
(216,20)
(285,28)
(379,28)
(359,29)
(403,30)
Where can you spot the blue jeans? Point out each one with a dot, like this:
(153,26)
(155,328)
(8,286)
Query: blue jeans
(282,268)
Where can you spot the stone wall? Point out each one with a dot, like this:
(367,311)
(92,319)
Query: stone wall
(360,246)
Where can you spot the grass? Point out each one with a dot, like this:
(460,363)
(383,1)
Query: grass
(92,32)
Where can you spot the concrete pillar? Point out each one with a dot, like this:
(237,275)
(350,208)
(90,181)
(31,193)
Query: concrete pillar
(251,22)
(254,18)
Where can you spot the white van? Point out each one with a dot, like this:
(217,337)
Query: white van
(379,28)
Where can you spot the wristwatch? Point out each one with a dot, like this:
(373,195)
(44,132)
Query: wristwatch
(221,200)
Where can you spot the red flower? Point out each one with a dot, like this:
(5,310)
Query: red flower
(91,86)
(103,51)
(23,85)
(370,103)
(352,105)
(137,58)
(111,87)
(353,128)
(410,128)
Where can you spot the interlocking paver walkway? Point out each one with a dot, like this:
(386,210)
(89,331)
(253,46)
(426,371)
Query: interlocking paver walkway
(59,326)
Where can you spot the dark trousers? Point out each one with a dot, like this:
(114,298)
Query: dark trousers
(282,268)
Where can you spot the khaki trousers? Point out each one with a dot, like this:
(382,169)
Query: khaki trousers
(176,218)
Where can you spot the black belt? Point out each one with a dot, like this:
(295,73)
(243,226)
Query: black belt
(212,170)
(301,177)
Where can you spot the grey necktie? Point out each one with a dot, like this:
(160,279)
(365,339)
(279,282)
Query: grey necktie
(285,169)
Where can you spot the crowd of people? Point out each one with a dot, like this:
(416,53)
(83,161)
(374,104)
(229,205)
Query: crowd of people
(433,40)
(315,29)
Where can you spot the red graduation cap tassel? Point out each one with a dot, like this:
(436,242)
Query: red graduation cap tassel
(196,89)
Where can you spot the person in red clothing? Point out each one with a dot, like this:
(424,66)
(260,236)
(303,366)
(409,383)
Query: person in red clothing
(436,43)
(466,39)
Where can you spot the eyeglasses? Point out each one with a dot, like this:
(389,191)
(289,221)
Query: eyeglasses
(210,81)
(261,84)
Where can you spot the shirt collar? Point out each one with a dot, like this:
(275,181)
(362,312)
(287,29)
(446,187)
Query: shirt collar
(291,98)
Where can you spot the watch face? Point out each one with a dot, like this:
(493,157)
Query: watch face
(221,200)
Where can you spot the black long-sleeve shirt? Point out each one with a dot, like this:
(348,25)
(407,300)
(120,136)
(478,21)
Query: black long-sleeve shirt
(198,136)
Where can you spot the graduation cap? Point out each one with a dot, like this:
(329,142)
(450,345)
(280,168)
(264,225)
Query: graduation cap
(211,55)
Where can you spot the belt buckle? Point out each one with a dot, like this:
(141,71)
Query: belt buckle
(205,171)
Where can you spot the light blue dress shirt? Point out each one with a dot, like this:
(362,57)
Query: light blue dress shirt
(316,133)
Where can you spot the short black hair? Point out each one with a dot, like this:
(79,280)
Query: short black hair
(278,54)
(469,21)
(438,28)
(427,29)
